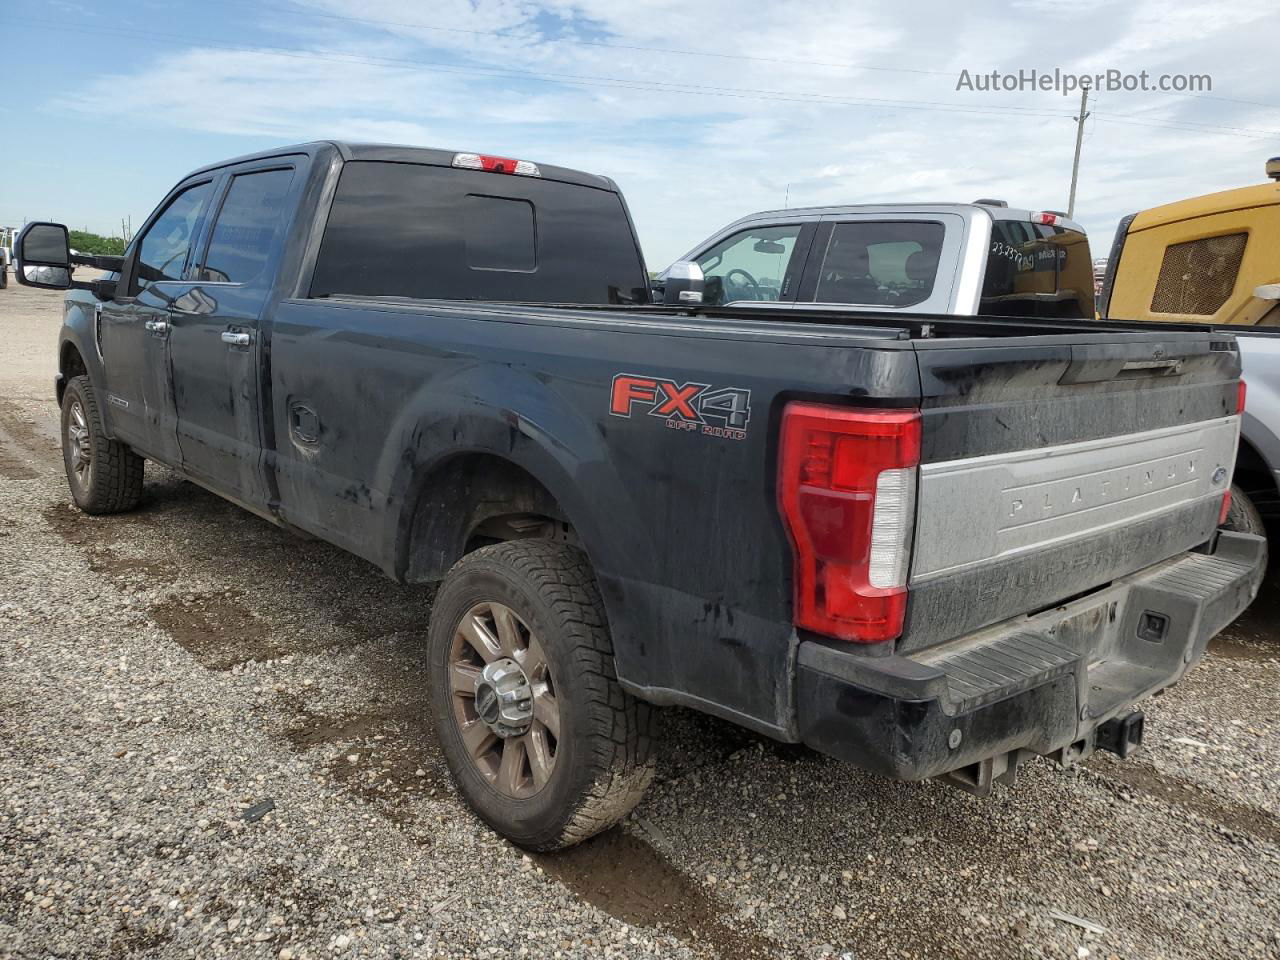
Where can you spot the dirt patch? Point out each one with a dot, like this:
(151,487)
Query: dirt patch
(389,754)
(1191,797)
(187,534)
(138,941)
(624,876)
(1230,648)
(23,449)
(15,460)
(217,629)
(12,466)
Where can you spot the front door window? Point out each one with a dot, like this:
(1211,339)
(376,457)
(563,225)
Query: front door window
(750,265)
(167,243)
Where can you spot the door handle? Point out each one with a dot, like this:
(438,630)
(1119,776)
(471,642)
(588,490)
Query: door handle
(235,339)
(158,327)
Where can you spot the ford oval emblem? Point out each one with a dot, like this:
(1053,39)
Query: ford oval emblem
(1219,476)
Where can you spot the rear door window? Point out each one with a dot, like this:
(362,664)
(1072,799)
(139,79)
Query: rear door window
(1037,270)
(750,265)
(881,263)
(427,232)
(247,231)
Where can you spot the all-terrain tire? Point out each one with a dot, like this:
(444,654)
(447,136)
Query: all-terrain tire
(113,482)
(1243,516)
(604,753)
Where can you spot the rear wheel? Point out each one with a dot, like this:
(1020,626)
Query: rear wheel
(1243,516)
(544,744)
(105,476)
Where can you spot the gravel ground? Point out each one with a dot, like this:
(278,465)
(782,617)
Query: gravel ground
(167,674)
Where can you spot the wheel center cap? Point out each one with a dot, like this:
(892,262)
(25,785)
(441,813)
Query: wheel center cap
(504,699)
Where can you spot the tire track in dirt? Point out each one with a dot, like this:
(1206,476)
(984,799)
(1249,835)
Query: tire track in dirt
(24,453)
(1192,797)
(627,878)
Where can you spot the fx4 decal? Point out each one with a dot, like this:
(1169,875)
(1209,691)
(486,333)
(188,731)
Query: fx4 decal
(722,412)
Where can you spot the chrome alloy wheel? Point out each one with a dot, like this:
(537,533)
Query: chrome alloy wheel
(504,700)
(80,445)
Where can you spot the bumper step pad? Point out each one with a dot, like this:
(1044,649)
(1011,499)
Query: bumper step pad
(1001,667)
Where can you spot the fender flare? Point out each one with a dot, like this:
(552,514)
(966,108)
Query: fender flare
(523,420)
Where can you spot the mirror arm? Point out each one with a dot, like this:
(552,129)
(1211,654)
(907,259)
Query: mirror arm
(102,289)
(101,261)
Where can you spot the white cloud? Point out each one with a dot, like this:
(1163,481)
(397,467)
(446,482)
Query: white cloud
(688,160)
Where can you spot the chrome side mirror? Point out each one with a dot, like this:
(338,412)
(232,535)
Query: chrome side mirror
(50,278)
(683,282)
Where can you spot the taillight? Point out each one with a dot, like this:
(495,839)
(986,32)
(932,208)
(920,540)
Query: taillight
(847,490)
(1241,390)
(1225,508)
(489,164)
(1048,219)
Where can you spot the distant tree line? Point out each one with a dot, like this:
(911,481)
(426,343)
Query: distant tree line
(87,242)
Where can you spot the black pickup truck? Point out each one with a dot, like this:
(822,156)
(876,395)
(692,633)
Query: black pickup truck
(934,546)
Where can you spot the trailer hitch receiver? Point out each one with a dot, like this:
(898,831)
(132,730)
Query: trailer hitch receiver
(1121,735)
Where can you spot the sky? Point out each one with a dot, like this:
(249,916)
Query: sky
(702,112)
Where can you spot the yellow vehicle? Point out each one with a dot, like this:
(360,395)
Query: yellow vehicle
(1210,259)
(1215,259)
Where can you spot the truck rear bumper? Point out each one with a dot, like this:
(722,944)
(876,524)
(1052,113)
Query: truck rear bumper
(972,707)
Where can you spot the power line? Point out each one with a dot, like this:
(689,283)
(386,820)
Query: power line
(1136,117)
(1197,128)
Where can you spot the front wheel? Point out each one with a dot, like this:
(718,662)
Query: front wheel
(105,476)
(544,744)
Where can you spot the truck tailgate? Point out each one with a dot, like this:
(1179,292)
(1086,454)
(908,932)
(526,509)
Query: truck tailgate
(1051,466)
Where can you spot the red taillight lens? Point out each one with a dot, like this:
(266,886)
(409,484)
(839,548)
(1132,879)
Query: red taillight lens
(1241,390)
(1225,508)
(847,492)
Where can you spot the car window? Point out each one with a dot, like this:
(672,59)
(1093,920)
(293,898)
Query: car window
(415,230)
(749,265)
(162,254)
(881,263)
(1037,270)
(248,227)
(500,233)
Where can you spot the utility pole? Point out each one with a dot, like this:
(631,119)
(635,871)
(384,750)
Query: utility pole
(1075,164)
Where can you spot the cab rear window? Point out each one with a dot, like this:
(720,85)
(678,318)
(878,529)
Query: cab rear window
(1037,270)
(427,232)
(499,233)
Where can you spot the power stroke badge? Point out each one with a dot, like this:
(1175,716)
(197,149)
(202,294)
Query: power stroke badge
(713,412)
